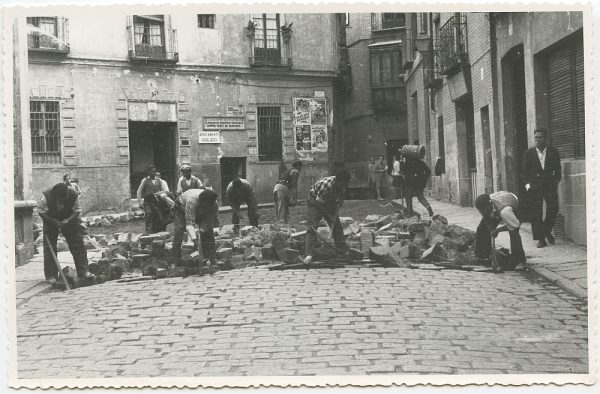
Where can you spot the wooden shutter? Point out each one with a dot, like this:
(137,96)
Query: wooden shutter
(566,100)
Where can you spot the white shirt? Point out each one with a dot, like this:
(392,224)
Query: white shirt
(542,156)
(396,169)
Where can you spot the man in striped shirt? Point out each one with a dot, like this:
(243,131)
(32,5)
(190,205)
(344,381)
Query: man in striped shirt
(196,207)
(324,200)
(498,209)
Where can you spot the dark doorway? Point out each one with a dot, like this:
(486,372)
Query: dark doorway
(515,113)
(230,168)
(152,143)
(488,162)
(467,159)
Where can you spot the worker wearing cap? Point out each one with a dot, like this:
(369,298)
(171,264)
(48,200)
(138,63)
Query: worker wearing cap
(151,184)
(240,191)
(187,181)
(498,209)
(324,200)
(196,208)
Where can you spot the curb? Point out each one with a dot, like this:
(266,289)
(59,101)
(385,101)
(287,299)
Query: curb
(567,285)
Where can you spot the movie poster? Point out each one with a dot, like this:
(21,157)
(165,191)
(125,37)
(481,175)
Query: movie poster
(310,124)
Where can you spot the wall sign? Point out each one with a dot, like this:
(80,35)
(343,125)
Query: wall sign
(209,137)
(310,124)
(224,123)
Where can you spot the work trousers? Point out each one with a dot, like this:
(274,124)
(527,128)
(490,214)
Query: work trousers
(73,233)
(483,240)
(541,227)
(207,238)
(412,191)
(281,202)
(252,213)
(148,213)
(314,216)
(293,195)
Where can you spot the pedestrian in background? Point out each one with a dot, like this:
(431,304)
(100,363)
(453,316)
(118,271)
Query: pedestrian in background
(196,208)
(187,181)
(498,208)
(59,209)
(372,177)
(542,174)
(150,184)
(324,200)
(282,190)
(397,176)
(415,174)
(71,182)
(380,169)
(294,175)
(240,191)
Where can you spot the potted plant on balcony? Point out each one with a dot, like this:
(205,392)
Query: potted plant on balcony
(251,29)
(286,31)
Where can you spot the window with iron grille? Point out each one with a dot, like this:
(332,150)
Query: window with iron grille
(267,43)
(44,32)
(45,132)
(392,20)
(269,133)
(206,21)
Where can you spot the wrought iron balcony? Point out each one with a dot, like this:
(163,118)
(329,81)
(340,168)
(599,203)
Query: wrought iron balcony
(452,45)
(146,45)
(48,34)
(432,76)
(270,52)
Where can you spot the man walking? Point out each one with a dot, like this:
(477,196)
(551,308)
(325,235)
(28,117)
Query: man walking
(282,191)
(59,209)
(542,173)
(196,207)
(380,169)
(498,208)
(397,176)
(187,181)
(416,174)
(240,191)
(324,200)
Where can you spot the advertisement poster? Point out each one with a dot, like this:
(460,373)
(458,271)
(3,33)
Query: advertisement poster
(310,124)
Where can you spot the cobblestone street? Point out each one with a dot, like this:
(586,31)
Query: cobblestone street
(317,322)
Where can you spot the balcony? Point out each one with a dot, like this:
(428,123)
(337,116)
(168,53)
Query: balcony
(151,42)
(48,35)
(432,76)
(452,45)
(270,53)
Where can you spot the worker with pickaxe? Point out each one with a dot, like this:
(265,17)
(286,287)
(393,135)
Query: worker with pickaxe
(324,200)
(498,209)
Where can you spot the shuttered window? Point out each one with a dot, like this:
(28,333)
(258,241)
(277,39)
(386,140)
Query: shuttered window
(566,100)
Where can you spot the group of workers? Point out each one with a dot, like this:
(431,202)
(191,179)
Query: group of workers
(194,208)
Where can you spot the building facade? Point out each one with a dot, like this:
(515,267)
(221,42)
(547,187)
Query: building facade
(229,94)
(479,84)
(374,97)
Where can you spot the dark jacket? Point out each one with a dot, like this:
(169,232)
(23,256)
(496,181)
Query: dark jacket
(415,173)
(534,174)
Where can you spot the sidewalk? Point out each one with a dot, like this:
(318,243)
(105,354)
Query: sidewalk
(563,263)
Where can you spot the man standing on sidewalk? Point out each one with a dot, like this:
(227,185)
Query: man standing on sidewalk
(196,207)
(498,208)
(240,191)
(542,173)
(59,209)
(324,200)
(380,169)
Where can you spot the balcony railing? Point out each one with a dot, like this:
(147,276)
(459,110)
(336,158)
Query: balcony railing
(452,44)
(48,34)
(275,53)
(163,49)
(432,76)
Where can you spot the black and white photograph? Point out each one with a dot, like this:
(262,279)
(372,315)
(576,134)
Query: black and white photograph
(219,196)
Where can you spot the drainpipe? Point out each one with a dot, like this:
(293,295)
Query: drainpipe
(498,183)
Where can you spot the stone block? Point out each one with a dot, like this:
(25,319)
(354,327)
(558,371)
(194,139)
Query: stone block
(355,228)
(384,228)
(122,237)
(224,253)
(299,235)
(382,241)
(356,254)
(372,218)
(346,221)
(367,239)
(408,252)
(247,230)
(291,255)
(383,221)
(434,253)
(279,245)
(267,252)
(323,233)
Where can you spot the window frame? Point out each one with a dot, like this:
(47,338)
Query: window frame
(44,156)
(423,23)
(206,21)
(271,155)
(265,47)
(390,23)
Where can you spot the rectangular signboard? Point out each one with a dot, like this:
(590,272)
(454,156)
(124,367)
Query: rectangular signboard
(209,137)
(224,123)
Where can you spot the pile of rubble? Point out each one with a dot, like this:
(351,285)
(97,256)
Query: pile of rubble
(377,241)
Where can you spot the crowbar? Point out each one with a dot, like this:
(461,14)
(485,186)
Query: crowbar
(61,274)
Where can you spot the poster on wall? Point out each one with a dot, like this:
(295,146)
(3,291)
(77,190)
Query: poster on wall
(310,125)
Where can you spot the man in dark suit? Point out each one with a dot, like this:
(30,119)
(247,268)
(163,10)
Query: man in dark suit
(542,173)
